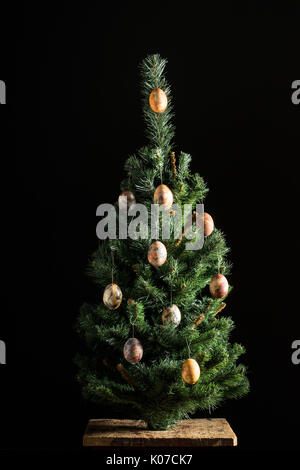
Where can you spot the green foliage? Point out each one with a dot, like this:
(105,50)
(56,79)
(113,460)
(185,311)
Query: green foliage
(155,390)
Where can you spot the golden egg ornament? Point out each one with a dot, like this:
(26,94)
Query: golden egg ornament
(126,199)
(171,314)
(157,254)
(190,371)
(112,296)
(133,350)
(158,100)
(163,196)
(218,286)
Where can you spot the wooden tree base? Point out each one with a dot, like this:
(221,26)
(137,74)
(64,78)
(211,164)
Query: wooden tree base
(214,432)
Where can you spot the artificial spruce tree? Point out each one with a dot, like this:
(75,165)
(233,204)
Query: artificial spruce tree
(154,385)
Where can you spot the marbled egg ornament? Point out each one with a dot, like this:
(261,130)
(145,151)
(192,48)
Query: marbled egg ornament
(190,371)
(205,222)
(126,199)
(208,224)
(171,314)
(163,196)
(218,286)
(133,350)
(157,254)
(112,296)
(158,100)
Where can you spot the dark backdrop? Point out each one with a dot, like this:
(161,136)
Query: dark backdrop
(73,116)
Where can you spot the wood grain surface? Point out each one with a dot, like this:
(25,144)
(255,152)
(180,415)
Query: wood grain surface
(214,432)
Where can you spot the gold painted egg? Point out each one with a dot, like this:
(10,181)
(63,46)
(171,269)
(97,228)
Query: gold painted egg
(133,350)
(171,314)
(190,371)
(112,296)
(158,100)
(157,254)
(163,196)
(218,286)
(126,199)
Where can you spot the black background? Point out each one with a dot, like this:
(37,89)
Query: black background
(72,117)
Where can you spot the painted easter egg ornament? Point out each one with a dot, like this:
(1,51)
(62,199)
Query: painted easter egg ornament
(163,196)
(126,199)
(218,286)
(158,100)
(157,254)
(171,314)
(190,371)
(112,296)
(133,350)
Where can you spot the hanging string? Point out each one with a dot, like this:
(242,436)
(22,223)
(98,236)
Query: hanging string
(112,266)
(171,294)
(189,350)
(132,321)
(160,173)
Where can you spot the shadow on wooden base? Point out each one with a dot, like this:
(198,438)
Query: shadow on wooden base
(214,432)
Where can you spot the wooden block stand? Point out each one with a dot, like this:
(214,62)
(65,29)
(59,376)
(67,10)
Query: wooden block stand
(214,432)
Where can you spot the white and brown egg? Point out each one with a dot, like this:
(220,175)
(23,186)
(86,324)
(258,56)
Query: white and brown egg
(112,296)
(171,314)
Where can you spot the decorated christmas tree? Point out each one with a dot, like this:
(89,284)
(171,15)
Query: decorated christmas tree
(157,343)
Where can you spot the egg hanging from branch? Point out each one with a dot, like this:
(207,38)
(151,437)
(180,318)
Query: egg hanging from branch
(157,254)
(126,199)
(171,314)
(163,196)
(208,223)
(218,286)
(112,296)
(158,100)
(133,350)
(190,371)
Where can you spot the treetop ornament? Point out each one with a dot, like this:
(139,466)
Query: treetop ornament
(148,370)
(158,100)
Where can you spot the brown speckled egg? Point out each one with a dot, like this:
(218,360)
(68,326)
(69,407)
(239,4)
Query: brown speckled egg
(171,314)
(126,199)
(164,196)
(133,350)
(158,100)
(112,296)
(190,371)
(218,286)
(157,254)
